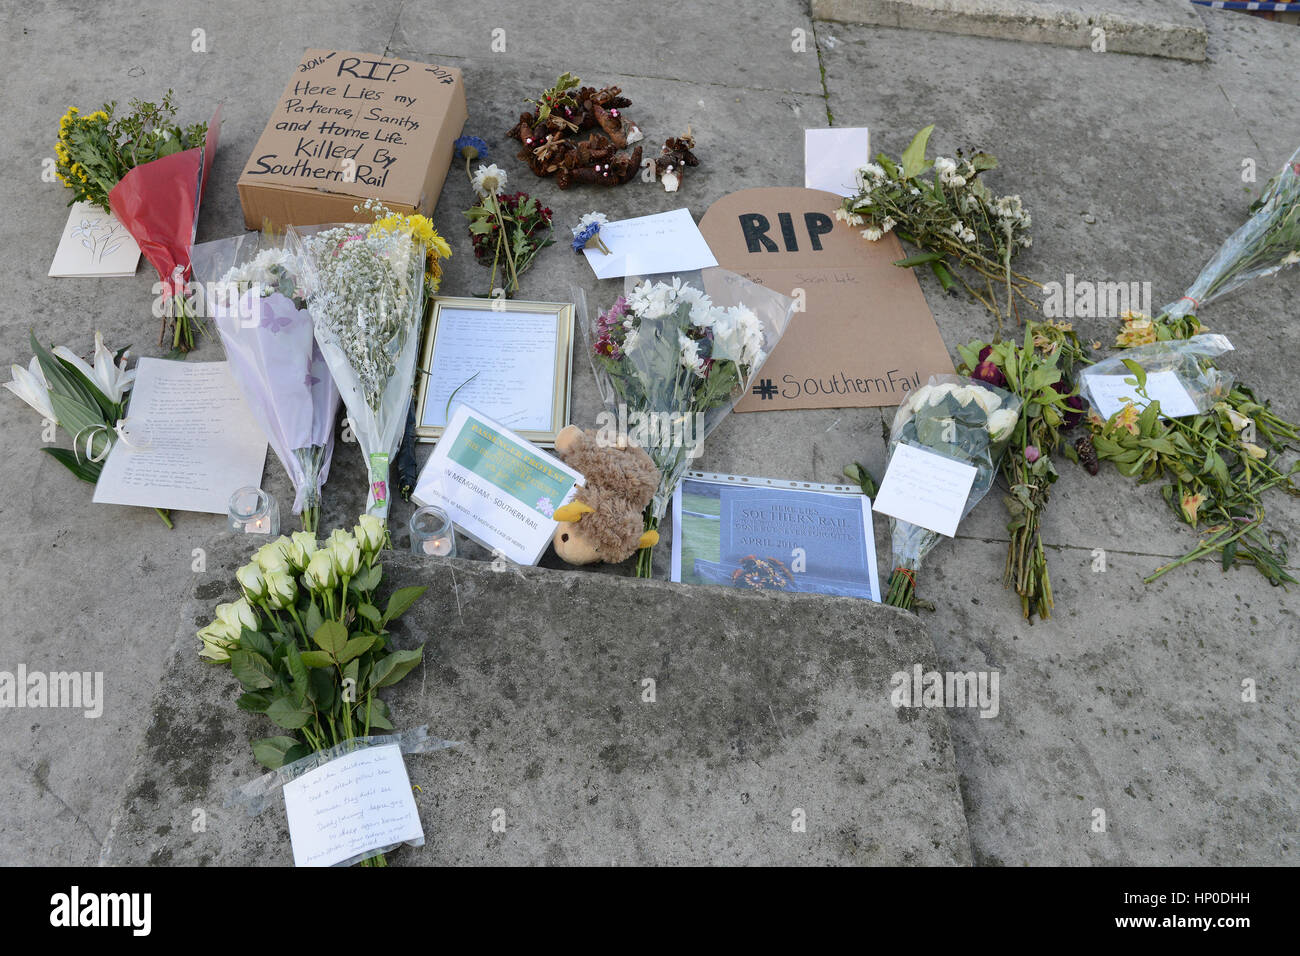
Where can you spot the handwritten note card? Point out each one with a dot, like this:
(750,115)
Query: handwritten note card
(190,440)
(832,158)
(502,363)
(1109,392)
(665,242)
(926,489)
(350,806)
(94,243)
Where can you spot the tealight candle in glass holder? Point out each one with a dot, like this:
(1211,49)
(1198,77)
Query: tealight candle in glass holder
(254,511)
(432,533)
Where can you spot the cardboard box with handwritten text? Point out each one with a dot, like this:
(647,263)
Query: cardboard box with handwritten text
(350,127)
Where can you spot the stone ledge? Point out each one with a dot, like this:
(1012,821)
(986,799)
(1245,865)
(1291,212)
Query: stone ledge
(764,704)
(1167,28)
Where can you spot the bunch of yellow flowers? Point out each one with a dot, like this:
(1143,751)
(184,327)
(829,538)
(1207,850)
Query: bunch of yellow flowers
(85,158)
(420,229)
(95,150)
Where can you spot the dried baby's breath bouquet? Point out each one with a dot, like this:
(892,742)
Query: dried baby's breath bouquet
(365,290)
(960,226)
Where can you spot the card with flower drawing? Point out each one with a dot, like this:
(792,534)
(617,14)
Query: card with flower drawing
(94,243)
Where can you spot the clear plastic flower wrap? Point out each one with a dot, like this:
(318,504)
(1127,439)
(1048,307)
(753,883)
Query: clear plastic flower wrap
(251,289)
(1267,242)
(672,356)
(365,287)
(1190,360)
(962,419)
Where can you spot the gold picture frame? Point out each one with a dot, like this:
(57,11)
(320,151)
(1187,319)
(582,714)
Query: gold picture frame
(459,317)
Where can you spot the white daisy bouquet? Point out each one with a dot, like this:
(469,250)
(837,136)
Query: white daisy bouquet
(261,315)
(365,289)
(966,235)
(672,356)
(959,418)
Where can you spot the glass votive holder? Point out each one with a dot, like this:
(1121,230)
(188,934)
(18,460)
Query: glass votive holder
(254,511)
(432,533)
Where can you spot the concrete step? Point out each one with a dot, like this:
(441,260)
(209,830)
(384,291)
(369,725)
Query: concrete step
(1168,28)
(765,705)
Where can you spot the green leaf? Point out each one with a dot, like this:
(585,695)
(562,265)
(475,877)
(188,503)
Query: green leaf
(324,688)
(356,647)
(314,618)
(257,642)
(251,670)
(270,752)
(298,671)
(287,713)
(87,471)
(1138,372)
(317,659)
(331,636)
(387,671)
(253,702)
(379,716)
(82,422)
(297,752)
(914,161)
(400,600)
(1229,553)
(58,379)
(370,613)
(944,276)
(107,409)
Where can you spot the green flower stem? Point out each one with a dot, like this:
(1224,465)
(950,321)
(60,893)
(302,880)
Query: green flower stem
(306,638)
(163,513)
(504,243)
(343,597)
(645,556)
(902,589)
(1210,545)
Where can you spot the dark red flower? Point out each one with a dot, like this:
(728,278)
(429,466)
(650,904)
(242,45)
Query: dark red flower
(988,372)
(1076,402)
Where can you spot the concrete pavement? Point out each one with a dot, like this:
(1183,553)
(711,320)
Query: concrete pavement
(1129,701)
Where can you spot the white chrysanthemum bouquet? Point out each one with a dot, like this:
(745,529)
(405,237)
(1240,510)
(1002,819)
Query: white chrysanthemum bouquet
(673,356)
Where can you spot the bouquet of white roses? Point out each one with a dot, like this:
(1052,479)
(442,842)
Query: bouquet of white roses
(959,418)
(672,357)
(308,642)
(365,288)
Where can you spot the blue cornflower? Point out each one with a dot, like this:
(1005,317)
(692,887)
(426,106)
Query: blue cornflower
(471,147)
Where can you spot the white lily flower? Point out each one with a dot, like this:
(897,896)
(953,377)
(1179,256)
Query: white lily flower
(29,384)
(113,380)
